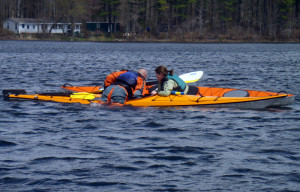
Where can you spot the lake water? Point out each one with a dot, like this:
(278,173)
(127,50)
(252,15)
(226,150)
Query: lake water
(47,146)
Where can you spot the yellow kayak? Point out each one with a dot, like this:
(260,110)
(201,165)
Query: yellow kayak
(206,92)
(206,97)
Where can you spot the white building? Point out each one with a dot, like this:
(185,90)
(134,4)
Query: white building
(28,25)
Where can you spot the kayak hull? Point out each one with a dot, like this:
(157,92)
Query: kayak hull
(207,101)
(158,101)
(288,100)
(208,91)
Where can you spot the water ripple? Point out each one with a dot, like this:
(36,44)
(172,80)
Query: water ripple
(4,143)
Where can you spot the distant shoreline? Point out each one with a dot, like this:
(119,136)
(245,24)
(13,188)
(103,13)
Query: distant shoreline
(143,41)
(34,37)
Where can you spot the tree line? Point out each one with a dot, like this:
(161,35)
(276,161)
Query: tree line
(164,19)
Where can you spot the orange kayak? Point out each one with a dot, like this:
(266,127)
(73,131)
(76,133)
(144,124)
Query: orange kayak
(197,96)
(204,92)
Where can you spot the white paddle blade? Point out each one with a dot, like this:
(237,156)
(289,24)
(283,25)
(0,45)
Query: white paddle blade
(191,77)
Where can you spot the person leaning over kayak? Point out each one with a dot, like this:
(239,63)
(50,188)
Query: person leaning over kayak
(123,85)
(168,82)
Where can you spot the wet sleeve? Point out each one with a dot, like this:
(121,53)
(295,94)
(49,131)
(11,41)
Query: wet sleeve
(168,87)
(140,88)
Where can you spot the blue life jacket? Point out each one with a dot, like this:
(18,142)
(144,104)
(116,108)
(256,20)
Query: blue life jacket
(181,84)
(130,78)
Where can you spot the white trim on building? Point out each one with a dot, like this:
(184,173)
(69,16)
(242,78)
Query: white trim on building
(27,25)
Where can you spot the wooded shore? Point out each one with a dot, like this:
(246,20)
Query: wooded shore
(167,20)
(8,35)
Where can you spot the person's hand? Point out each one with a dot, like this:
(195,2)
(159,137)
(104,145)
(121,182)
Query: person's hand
(154,92)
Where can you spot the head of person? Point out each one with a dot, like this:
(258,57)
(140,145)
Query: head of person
(143,72)
(162,72)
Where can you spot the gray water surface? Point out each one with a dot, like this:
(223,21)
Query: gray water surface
(47,146)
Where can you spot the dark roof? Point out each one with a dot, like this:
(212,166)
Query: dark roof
(100,22)
(32,20)
(26,20)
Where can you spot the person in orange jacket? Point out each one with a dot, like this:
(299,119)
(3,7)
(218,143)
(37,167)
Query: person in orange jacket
(121,86)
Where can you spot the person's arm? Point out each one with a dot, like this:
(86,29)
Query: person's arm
(154,92)
(168,87)
(140,88)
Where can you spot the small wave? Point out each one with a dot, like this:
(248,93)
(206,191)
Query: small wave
(243,170)
(153,124)
(276,151)
(99,183)
(49,159)
(157,166)
(151,138)
(126,168)
(208,158)
(120,167)
(170,130)
(49,181)
(170,158)
(294,177)
(187,149)
(189,163)
(13,180)
(232,176)
(141,149)
(6,143)
(198,117)
(83,120)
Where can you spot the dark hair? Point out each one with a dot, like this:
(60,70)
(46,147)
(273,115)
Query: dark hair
(163,70)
